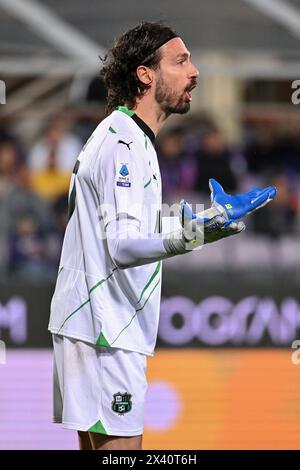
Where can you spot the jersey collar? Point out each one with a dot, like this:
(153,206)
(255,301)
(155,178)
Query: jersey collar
(145,128)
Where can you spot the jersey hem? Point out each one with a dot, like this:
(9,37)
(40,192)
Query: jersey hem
(81,427)
(90,340)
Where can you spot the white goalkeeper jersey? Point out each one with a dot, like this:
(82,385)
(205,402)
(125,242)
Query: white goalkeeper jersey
(116,173)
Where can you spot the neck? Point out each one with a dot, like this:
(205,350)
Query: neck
(150,112)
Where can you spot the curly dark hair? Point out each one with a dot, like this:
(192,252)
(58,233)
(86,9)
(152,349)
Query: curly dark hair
(138,46)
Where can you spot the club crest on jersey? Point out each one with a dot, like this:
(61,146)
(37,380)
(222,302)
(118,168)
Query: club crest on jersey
(121,403)
(123,178)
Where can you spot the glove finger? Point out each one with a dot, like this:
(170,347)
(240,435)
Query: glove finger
(215,188)
(240,227)
(235,227)
(185,212)
(253,192)
(265,196)
(213,224)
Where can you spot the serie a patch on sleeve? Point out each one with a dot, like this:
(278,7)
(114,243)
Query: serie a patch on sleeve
(123,178)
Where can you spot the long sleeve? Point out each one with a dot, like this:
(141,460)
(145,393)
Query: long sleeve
(128,247)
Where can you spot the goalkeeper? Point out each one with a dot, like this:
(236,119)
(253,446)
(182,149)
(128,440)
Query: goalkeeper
(105,308)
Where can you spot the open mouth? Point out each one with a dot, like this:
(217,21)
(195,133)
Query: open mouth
(189,92)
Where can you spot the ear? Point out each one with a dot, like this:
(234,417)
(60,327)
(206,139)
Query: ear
(144,74)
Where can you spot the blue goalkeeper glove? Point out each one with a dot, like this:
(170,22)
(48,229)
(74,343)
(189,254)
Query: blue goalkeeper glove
(207,226)
(223,218)
(238,206)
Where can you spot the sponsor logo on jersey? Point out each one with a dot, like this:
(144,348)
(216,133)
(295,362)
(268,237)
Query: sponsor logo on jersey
(121,403)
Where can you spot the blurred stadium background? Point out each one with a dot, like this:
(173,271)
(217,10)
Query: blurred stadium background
(222,376)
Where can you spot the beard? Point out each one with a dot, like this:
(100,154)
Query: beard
(171,102)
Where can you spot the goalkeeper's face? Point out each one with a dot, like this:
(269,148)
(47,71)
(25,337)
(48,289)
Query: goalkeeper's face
(176,77)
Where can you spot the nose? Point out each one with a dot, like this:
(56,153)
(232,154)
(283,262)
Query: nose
(194,71)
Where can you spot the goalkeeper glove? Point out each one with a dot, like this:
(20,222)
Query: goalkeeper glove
(238,206)
(221,220)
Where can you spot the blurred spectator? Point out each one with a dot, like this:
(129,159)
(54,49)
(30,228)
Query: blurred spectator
(52,161)
(214,161)
(8,165)
(11,142)
(289,152)
(280,217)
(57,148)
(178,166)
(16,197)
(262,153)
(56,235)
(50,183)
(28,257)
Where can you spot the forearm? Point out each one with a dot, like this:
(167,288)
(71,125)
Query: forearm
(128,247)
